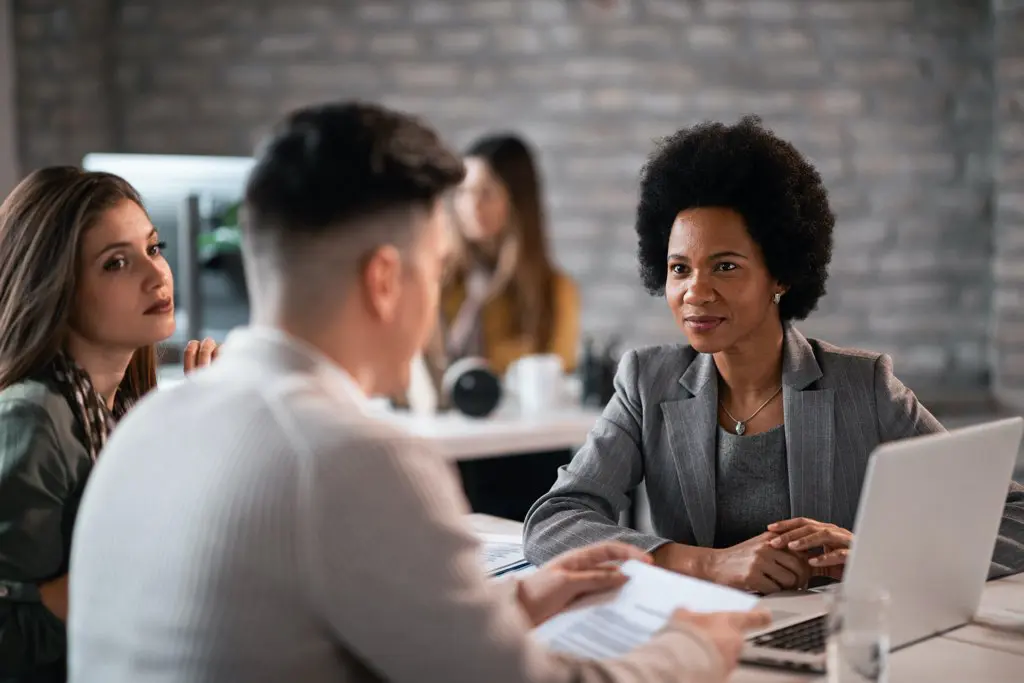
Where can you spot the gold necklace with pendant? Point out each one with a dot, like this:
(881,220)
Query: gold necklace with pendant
(741,425)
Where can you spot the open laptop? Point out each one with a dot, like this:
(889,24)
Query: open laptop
(926,525)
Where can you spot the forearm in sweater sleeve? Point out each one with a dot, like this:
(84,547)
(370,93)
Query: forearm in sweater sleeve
(402,589)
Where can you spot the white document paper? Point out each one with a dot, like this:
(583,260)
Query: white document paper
(613,624)
(498,551)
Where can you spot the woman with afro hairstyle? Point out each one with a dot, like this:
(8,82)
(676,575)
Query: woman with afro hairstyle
(752,440)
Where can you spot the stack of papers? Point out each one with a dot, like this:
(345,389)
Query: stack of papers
(501,554)
(612,624)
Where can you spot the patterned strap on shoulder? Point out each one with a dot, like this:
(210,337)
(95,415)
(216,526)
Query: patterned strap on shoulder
(95,419)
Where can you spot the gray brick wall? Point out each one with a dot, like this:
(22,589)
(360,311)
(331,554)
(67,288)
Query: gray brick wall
(65,57)
(1008,262)
(891,98)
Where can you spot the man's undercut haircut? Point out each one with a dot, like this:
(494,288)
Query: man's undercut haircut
(328,168)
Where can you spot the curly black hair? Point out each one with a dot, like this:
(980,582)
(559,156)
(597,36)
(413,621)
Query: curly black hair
(748,169)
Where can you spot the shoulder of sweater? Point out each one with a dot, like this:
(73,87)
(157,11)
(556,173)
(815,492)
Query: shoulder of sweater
(329,423)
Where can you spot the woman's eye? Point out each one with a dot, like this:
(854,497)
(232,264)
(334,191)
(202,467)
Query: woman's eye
(678,269)
(725,266)
(115,263)
(158,248)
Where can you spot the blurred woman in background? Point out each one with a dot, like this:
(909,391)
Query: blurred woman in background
(85,293)
(503,300)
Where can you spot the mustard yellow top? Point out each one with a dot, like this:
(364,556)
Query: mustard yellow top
(502,345)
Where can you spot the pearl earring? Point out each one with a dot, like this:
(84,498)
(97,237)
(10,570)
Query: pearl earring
(777,298)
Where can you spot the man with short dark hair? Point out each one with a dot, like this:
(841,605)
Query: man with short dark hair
(256,523)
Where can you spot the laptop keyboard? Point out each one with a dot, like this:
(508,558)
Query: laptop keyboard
(807,636)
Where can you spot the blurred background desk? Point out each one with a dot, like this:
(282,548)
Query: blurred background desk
(457,437)
(462,438)
(508,460)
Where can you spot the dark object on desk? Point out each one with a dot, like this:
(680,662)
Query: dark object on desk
(597,373)
(471,387)
(820,582)
(509,485)
(518,567)
(1000,572)
(231,265)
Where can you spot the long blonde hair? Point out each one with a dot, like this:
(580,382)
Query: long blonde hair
(41,227)
(523,268)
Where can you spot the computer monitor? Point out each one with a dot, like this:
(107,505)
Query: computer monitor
(164,182)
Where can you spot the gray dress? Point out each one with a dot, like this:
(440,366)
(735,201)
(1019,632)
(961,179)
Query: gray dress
(752,485)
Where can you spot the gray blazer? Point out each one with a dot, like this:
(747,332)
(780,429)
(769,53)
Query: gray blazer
(660,429)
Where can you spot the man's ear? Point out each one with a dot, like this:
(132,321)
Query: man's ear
(382,282)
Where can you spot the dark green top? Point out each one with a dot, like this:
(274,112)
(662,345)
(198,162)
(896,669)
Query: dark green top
(43,469)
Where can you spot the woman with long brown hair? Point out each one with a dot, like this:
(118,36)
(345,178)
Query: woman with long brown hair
(503,299)
(84,295)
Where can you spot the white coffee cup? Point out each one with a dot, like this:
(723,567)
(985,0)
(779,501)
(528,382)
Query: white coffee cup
(538,382)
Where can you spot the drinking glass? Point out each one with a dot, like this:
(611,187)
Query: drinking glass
(858,637)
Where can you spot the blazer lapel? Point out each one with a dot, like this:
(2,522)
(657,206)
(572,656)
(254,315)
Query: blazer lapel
(691,424)
(810,430)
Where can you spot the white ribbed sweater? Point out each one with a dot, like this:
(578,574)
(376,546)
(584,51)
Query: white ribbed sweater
(254,524)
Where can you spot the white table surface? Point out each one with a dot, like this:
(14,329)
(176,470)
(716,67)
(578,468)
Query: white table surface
(938,660)
(1003,595)
(458,437)
(971,654)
